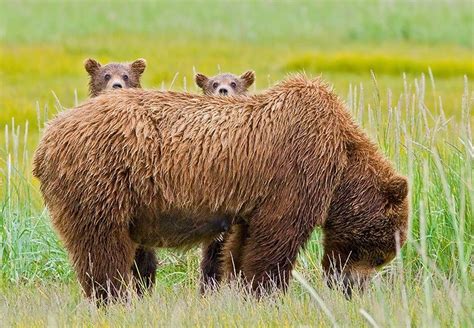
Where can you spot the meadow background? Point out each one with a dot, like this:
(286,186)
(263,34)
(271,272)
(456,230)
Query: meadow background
(404,69)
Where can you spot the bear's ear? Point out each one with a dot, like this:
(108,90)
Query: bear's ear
(201,80)
(396,189)
(91,66)
(248,78)
(138,66)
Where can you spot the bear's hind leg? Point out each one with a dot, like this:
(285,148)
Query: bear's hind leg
(102,255)
(211,272)
(221,257)
(144,269)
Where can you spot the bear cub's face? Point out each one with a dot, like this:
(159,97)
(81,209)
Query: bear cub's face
(225,84)
(113,75)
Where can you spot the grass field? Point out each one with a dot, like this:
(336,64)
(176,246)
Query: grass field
(417,106)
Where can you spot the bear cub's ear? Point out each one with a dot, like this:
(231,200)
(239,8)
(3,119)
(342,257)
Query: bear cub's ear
(91,66)
(248,78)
(201,80)
(396,189)
(138,66)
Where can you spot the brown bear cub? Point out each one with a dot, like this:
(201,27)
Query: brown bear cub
(225,84)
(140,168)
(113,75)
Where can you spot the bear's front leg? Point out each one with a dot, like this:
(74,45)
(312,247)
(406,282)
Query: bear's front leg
(232,251)
(144,269)
(270,250)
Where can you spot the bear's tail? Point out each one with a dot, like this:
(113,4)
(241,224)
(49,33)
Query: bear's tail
(38,162)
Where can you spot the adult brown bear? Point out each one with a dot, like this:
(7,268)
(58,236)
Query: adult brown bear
(167,169)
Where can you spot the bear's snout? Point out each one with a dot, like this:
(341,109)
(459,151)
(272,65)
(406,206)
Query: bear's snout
(223,91)
(225,225)
(347,282)
(117,86)
(351,282)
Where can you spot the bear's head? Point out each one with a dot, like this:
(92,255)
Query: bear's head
(367,221)
(225,84)
(113,75)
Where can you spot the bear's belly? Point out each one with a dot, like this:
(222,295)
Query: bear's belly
(178,229)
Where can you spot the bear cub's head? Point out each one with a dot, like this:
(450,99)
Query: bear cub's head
(113,75)
(225,84)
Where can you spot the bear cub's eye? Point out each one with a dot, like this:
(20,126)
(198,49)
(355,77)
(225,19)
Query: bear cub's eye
(107,77)
(125,77)
(215,85)
(233,84)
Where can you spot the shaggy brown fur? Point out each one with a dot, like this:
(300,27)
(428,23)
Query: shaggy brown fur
(169,169)
(116,76)
(113,75)
(225,84)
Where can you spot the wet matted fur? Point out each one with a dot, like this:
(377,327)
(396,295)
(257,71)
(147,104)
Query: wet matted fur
(168,169)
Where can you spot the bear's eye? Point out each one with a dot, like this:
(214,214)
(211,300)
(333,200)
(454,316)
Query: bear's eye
(233,84)
(125,77)
(107,77)
(379,261)
(215,85)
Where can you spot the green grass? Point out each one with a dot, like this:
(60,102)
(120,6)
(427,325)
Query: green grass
(302,22)
(431,281)
(423,124)
(44,43)
(180,305)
